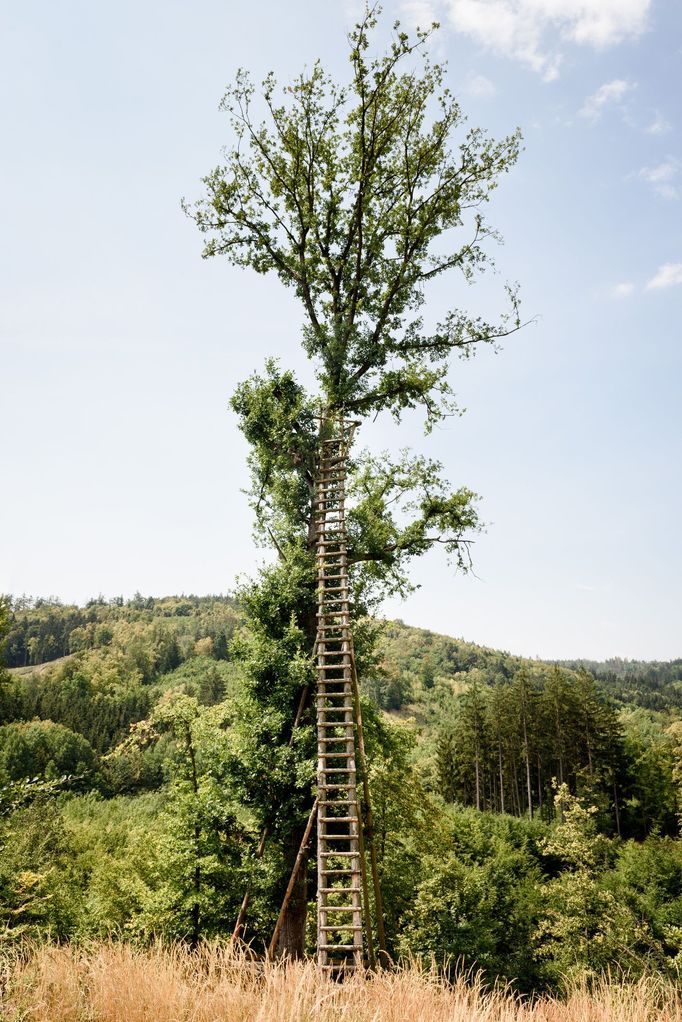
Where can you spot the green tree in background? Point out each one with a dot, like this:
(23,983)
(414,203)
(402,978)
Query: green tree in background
(42,749)
(585,927)
(5,702)
(197,881)
(356,196)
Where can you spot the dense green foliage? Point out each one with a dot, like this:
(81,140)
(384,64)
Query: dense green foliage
(152,831)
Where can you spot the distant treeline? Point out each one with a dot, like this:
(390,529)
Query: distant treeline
(41,630)
(654,685)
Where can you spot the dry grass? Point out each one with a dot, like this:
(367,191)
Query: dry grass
(118,983)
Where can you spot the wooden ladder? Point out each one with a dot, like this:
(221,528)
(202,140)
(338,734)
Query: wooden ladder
(341,880)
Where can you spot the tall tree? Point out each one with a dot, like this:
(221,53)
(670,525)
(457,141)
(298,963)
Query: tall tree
(356,196)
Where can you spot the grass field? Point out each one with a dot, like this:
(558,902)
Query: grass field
(118,983)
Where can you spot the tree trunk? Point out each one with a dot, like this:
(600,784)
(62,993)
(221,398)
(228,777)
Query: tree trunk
(477,767)
(499,763)
(526,756)
(616,806)
(195,912)
(292,938)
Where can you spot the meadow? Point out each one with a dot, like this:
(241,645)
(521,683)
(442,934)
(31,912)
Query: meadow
(119,983)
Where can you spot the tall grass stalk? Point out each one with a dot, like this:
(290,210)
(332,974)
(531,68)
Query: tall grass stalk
(121,983)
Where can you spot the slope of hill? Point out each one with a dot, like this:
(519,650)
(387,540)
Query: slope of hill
(122,801)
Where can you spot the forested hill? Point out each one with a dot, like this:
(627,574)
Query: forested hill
(157,634)
(124,805)
(417,653)
(490,729)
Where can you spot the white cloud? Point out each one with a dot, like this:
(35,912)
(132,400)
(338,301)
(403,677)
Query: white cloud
(418,13)
(608,94)
(662,178)
(533,31)
(659,125)
(668,275)
(479,85)
(622,290)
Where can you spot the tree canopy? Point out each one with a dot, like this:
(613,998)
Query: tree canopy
(357,196)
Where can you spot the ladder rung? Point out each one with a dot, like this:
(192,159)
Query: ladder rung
(338,890)
(335,787)
(337,819)
(341,926)
(340,855)
(338,947)
(337,770)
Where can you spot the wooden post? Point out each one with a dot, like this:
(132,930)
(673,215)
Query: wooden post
(365,890)
(378,901)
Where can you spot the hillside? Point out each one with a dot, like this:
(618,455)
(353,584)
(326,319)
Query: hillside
(600,727)
(42,632)
(496,780)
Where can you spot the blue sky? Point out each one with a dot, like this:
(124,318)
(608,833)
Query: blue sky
(119,346)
